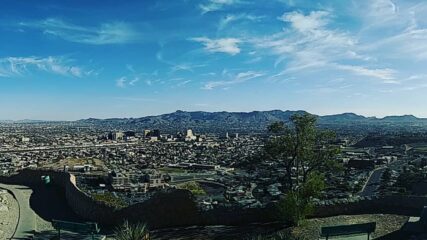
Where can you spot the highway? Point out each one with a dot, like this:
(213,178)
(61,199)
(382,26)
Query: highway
(372,183)
(56,148)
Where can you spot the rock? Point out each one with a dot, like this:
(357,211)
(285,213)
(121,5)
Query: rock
(4,208)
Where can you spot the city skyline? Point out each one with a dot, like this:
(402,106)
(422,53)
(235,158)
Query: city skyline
(75,60)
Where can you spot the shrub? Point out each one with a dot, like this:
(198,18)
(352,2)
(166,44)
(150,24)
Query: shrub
(128,231)
(109,199)
(193,187)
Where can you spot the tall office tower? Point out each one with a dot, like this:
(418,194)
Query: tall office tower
(147,132)
(118,136)
(190,136)
(189,133)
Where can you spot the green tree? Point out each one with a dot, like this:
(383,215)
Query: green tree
(305,152)
(297,204)
(301,148)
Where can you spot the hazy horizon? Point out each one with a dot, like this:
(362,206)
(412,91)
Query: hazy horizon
(72,60)
(33,119)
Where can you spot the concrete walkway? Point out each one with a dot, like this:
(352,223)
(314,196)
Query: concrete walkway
(27,217)
(35,224)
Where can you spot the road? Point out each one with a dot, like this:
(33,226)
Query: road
(372,183)
(84,146)
(27,217)
(56,148)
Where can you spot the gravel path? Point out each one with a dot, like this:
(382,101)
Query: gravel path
(8,214)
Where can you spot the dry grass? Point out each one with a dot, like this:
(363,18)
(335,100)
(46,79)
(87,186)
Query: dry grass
(75,162)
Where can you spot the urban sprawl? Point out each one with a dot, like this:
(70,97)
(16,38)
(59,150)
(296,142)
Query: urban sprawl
(220,169)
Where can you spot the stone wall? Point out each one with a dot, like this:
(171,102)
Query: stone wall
(164,209)
(402,205)
(177,207)
(82,204)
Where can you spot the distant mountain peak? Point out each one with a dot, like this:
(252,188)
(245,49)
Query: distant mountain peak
(401,118)
(348,116)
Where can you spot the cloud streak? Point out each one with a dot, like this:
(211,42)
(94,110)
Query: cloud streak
(385,74)
(221,45)
(106,33)
(124,82)
(310,44)
(237,79)
(216,5)
(225,21)
(18,66)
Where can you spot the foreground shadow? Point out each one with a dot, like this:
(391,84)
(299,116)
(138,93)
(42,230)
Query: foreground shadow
(49,203)
(53,235)
(396,235)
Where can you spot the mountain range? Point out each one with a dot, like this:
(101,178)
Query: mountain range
(246,119)
(273,115)
(238,119)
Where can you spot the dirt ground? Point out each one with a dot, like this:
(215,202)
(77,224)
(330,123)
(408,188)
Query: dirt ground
(386,224)
(8,214)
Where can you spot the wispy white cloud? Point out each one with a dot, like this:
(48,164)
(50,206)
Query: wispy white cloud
(179,82)
(236,79)
(222,45)
(310,44)
(130,68)
(288,2)
(178,66)
(316,20)
(121,82)
(395,31)
(13,66)
(385,74)
(237,17)
(253,60)
(410,44)
(186,67)
(124,82)
(134,81)
(382,8)
(378,13)
(215,5)
(106,33)
(184,83)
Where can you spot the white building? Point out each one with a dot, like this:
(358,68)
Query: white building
(190,136)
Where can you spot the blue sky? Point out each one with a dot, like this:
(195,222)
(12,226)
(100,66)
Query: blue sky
(66,60)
